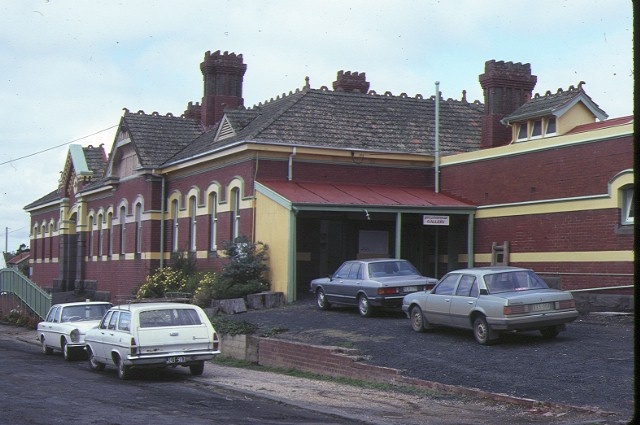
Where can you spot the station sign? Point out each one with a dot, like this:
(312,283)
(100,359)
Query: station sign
(435,220)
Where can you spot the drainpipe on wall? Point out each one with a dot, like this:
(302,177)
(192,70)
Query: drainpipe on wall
(290,173)
(437,137)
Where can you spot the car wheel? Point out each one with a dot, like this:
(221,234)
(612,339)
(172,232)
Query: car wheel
(66,351)
(550,331)
(417,319)
(321,299)
(124,372)
(197,369)
(364,308)
(45,349)
(482,332)
(94,364)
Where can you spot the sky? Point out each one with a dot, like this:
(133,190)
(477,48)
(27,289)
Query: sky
(70,67)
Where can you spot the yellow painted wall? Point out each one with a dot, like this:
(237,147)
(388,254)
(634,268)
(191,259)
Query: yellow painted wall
(273,228)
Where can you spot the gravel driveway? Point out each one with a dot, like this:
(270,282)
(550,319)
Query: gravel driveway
(591,364)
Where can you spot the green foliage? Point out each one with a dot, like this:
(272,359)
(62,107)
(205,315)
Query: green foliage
(166,279)
(226,326)
(246,271)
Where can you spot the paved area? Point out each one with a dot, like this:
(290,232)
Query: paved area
(369,405)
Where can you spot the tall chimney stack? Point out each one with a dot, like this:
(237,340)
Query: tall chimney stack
(506,87)
(223,74)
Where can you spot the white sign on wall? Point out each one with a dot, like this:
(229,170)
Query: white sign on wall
(435,220)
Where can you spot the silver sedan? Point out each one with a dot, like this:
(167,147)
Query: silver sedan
(491,300)
(370,284)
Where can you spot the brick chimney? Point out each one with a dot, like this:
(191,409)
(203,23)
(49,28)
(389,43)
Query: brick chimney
(223,74)
(351,82)
(506,87)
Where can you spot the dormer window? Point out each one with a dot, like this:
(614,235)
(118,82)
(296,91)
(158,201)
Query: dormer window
(522,131)
(551,127)
(536,131)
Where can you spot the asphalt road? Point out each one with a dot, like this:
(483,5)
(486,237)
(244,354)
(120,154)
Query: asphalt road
(591,364)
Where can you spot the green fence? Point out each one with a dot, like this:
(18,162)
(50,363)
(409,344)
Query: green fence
(12,282)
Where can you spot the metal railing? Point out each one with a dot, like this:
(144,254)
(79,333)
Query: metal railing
(34,297)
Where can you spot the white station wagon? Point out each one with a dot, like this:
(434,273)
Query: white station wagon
(65,325)
(152,335)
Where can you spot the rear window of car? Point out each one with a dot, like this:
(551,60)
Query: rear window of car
(513,281)
(169,317)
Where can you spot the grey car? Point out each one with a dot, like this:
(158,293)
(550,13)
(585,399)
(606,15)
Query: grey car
(370,284)
(491,300)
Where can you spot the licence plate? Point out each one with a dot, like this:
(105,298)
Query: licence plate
(410,288)
(174,360)
(542,307)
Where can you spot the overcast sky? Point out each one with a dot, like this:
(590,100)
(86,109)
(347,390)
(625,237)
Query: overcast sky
(69,67)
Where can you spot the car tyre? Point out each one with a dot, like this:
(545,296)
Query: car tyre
(197,369)
(66,351)
(124,372)
(94,364)
(417,320)
(45,349)
(364,307)
(482,332)
(550,331)
(321,300)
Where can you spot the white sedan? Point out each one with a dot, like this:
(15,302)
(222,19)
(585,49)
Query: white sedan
(491,300)
(65,325)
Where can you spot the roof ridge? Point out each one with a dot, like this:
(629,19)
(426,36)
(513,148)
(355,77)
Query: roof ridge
(300,95)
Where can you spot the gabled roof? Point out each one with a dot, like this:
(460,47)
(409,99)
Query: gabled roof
(158,137)
(355,121)
(554,104)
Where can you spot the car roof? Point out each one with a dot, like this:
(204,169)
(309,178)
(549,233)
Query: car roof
(490,269)
(151,306)
(81,303)
(374,260)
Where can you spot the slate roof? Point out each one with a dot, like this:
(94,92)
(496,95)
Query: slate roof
(96,161)
(554,104)
(355,121)
(159,137)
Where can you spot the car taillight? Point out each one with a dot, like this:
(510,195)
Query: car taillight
(134,347)
(388,291)
(565,304)
(216,341)
(514,309)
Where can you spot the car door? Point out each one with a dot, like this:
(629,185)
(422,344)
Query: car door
(46,327)
(335,290)
(438,302)
(463,301)
(99,337)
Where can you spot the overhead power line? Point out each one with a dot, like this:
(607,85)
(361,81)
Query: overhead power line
(56,147)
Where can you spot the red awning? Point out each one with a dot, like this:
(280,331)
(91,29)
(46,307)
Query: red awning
(301,193)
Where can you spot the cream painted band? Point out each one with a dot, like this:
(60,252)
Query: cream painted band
(563,257)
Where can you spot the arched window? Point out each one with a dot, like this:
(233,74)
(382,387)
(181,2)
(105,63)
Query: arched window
(51,241)
(213,220)
(138,228)
(123,228)
(90,237)
(109,234)
(192,223)
(235,211)
(174,214)
(628,209)
(35,242)
(99,235)
(43,244)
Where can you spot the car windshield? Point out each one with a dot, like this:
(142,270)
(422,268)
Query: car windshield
(522,280)
(391,268)
(84,312)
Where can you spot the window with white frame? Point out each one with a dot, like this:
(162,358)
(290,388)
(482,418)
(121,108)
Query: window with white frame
(100,235)
(110,234)
(138,228)
(536,130)
(123,228)
(174,214)
(192,223)
(551,127)
(628,209)
(522,131)
(213,230)
(235,211)
(90,241)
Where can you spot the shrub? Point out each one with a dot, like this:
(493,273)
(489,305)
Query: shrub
(246,272)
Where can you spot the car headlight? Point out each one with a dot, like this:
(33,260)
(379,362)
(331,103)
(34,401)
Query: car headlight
(75,336)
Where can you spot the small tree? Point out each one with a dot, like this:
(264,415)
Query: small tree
(246,272)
